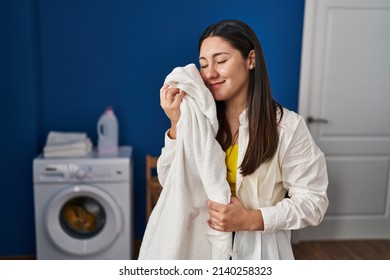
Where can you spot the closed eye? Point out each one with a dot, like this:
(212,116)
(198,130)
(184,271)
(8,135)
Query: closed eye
(204,66)
(222,61)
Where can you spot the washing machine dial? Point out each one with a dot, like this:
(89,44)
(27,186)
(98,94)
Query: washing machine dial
(81,173)
(78,172)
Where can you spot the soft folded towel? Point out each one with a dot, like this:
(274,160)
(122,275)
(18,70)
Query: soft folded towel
(177,227)
(67,144)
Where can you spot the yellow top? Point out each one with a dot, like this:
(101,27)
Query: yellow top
(231,165)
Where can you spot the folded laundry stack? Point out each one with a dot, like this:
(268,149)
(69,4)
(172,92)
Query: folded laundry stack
(67,144)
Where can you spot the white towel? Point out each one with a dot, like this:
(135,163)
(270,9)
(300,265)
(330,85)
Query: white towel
(67,144)
(177,227)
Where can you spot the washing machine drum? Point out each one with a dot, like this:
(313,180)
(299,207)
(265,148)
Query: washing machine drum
(83,220)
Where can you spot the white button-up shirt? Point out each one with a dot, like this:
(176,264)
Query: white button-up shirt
(298,168)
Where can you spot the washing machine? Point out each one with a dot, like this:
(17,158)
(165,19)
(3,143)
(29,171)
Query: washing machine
(83,206)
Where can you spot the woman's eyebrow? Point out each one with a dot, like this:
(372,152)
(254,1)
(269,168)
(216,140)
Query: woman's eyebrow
(214,55)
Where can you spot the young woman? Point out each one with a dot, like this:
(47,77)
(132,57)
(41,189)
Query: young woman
(276,172)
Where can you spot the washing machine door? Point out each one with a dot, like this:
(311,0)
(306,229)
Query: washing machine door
(83,220)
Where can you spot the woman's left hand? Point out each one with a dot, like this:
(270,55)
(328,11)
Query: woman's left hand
(233,217)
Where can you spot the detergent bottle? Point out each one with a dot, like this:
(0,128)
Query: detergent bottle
(107,129)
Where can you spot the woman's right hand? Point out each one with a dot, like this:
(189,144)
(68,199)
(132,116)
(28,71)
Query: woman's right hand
(170,100)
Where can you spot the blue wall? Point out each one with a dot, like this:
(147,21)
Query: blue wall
(63,62)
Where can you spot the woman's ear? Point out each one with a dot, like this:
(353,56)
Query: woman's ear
(251,61)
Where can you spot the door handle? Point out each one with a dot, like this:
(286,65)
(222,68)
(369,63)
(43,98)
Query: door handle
(310,119)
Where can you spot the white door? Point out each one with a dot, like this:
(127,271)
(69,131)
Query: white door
(345,97)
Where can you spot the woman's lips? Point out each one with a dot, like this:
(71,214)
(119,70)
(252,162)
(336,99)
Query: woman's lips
(216,85)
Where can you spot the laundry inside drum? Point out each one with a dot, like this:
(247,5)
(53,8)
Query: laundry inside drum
(82,217)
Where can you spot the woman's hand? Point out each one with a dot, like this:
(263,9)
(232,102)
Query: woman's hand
(234,217)
(170,100)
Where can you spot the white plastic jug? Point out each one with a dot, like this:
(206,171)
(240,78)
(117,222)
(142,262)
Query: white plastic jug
(107,128)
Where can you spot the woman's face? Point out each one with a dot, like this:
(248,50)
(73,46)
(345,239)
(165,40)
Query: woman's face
(224,70)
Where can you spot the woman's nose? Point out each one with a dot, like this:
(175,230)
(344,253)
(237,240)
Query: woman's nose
(211,72)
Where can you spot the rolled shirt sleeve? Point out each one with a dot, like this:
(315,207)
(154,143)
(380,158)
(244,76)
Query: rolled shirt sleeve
(165,159)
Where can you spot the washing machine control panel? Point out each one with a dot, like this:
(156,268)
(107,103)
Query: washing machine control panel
(80,172)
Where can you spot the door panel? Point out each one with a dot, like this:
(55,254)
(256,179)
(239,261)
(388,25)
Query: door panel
(357,187)
(345,79)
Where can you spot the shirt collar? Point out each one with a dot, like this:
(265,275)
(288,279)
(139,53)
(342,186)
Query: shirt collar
(243,117)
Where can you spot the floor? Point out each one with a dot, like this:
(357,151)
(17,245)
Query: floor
(343,250)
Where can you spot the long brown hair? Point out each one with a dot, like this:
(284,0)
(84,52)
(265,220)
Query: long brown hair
(262,109)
